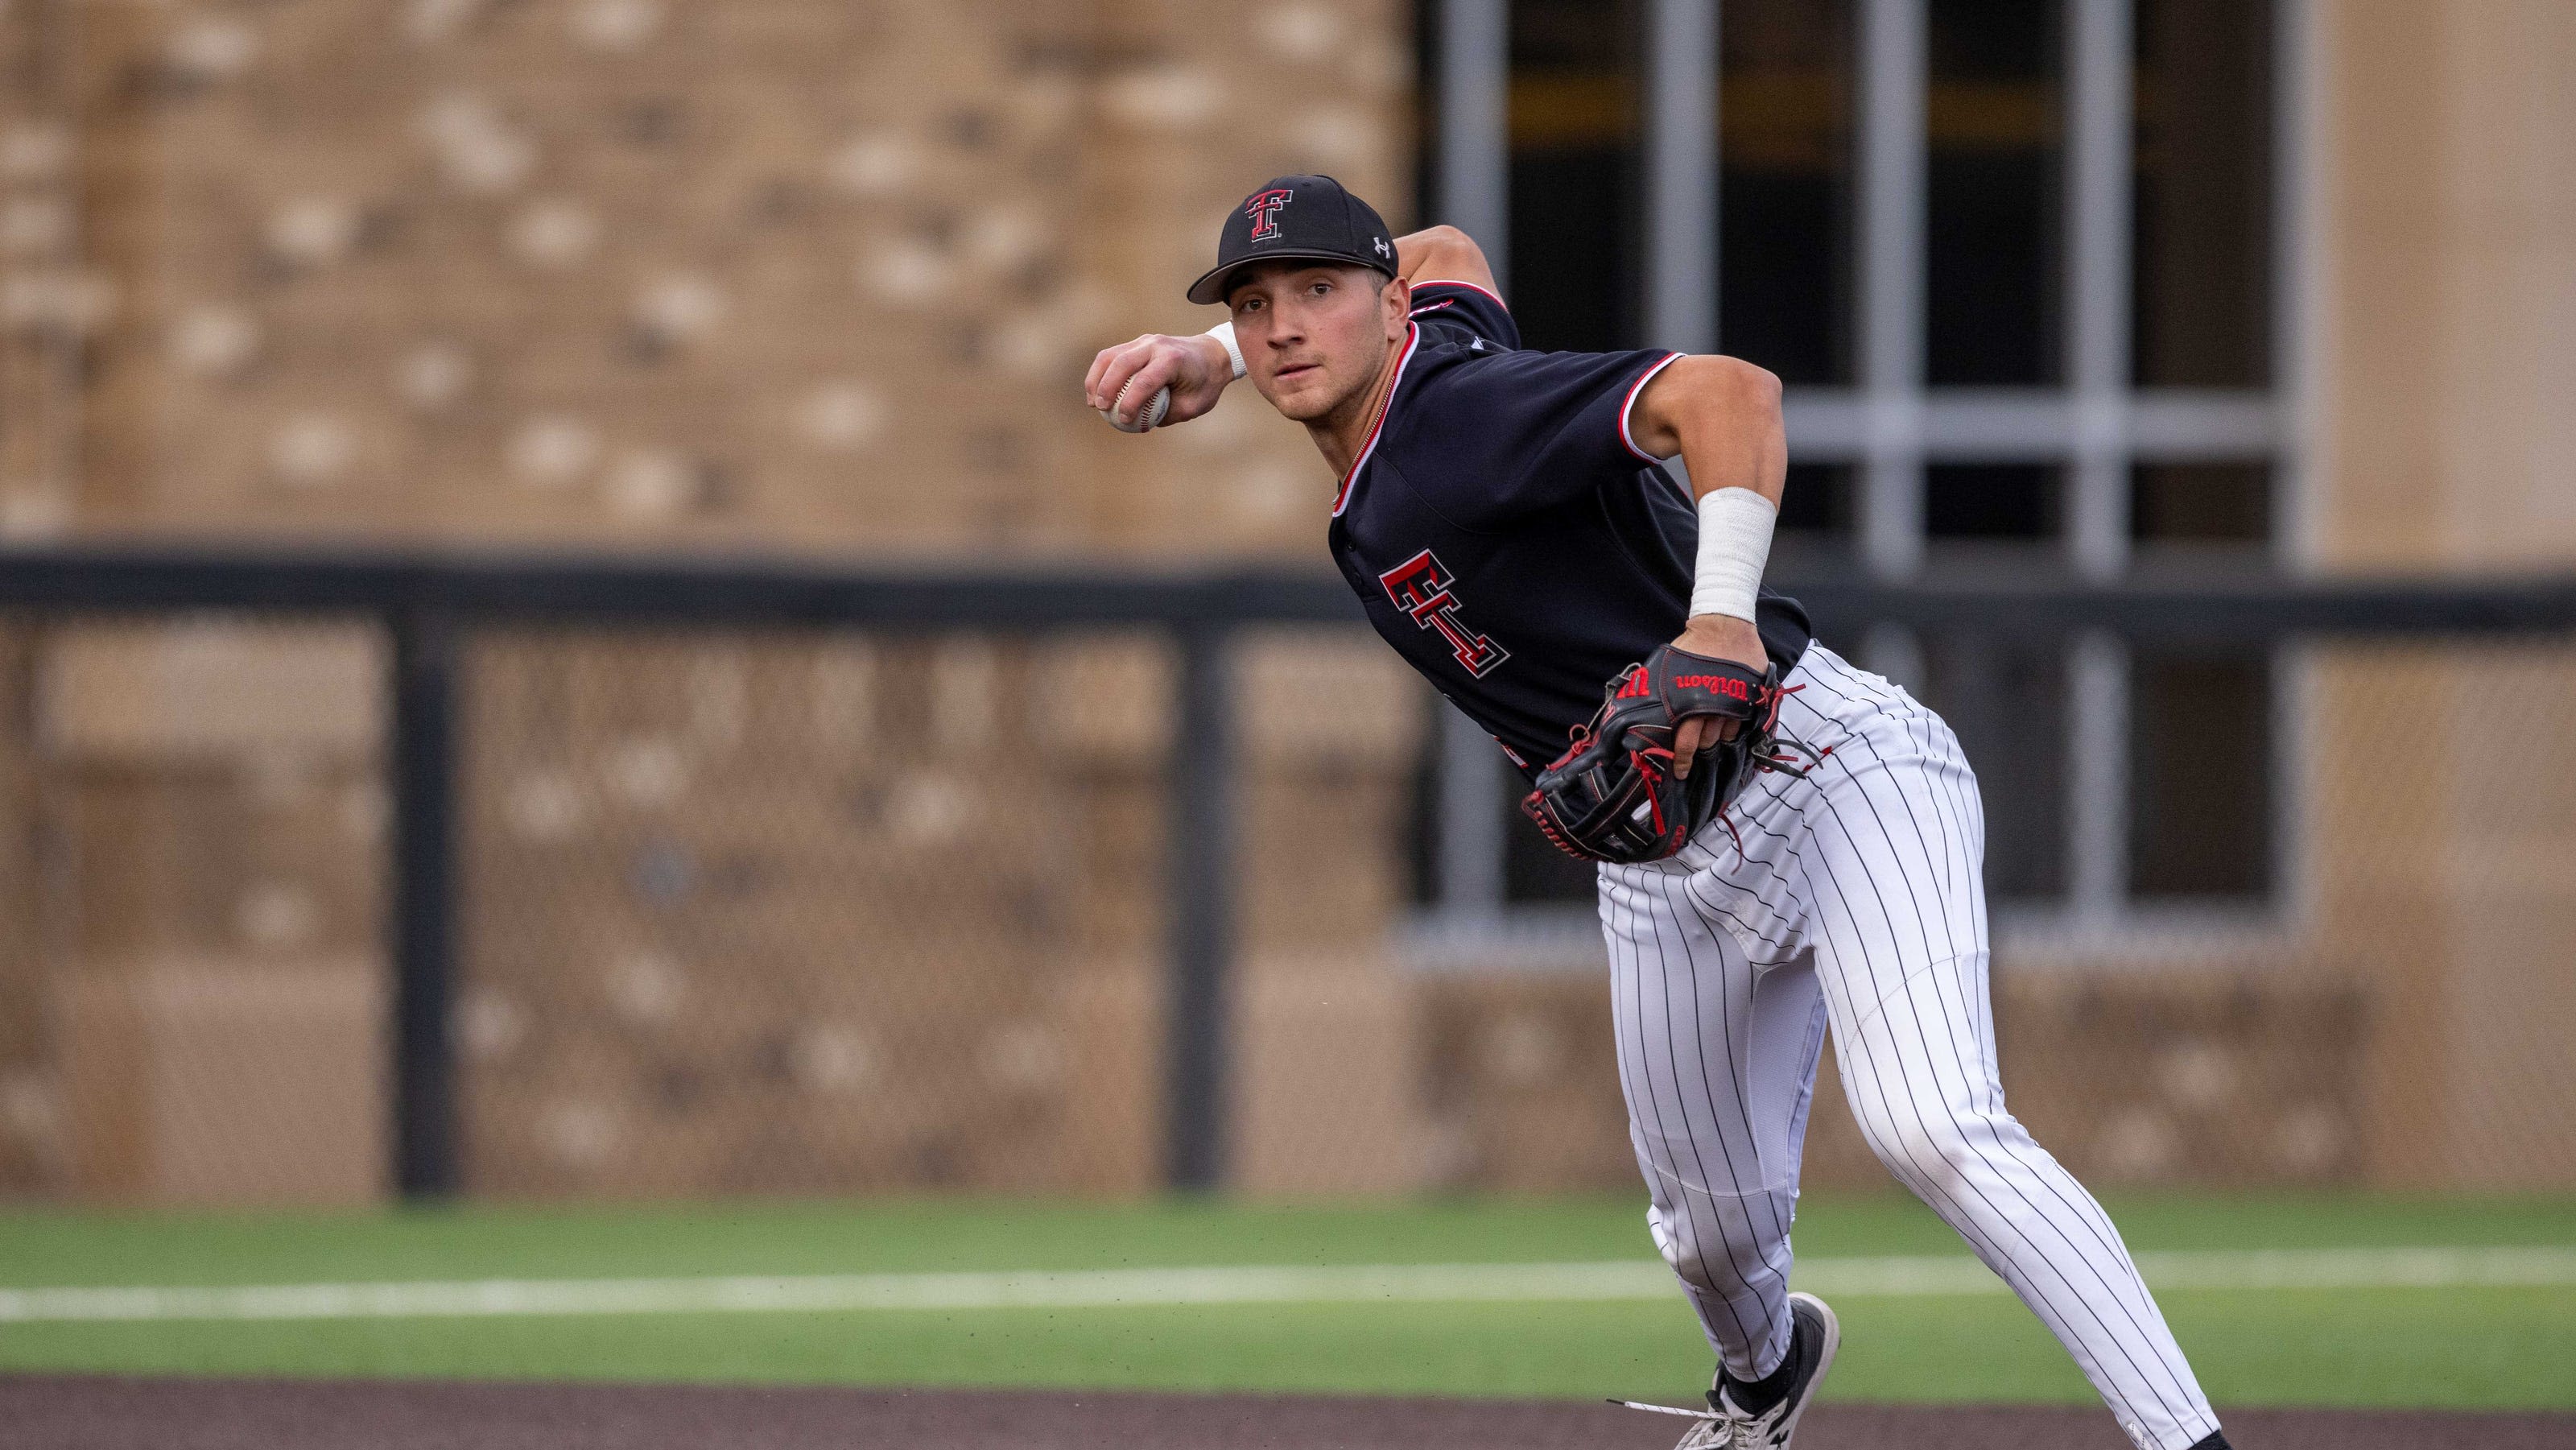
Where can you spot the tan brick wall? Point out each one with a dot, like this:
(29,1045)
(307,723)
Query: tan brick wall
(223,1082)
(2226,1077)
(2445,241)
(792,273)
(795,276)
(31,1097)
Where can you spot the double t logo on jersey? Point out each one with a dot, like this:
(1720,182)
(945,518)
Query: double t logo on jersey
(1264,211)
(1421,588)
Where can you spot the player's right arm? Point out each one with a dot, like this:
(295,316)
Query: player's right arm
(1196,369)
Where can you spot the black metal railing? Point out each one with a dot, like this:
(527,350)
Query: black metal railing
(429,604)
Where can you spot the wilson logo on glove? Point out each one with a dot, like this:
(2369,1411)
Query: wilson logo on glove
(1420,587)
(1727,685)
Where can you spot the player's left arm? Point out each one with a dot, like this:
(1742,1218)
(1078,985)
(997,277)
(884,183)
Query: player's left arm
(1722,415)
(1443,254)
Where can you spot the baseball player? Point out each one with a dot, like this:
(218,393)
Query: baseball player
(1786,842)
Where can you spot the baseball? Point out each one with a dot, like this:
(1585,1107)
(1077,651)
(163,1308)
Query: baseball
(1147,418)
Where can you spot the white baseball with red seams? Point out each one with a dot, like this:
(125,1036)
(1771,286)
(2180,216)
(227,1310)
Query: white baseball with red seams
(1855,902)
(1148,417)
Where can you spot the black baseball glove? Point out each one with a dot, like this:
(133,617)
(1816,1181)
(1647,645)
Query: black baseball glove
(1612,795)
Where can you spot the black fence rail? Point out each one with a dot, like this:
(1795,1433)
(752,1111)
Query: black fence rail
(428,605)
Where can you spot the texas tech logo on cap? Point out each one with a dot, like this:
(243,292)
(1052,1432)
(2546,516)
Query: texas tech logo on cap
(1420,587)
(1263,208)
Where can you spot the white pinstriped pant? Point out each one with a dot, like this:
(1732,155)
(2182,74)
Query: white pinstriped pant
(1857,901)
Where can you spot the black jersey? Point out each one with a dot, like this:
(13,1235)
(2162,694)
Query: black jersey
(1507,535)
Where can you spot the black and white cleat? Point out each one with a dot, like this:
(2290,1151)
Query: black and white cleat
(1727,1424)
(1811,1352)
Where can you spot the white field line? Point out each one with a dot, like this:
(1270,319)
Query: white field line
(1903,1277)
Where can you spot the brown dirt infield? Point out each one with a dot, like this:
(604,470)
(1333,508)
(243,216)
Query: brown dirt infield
(97,1413)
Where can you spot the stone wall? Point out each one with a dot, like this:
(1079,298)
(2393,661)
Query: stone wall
(793,276)
(816,277)
(2444,222)
(2245,1078)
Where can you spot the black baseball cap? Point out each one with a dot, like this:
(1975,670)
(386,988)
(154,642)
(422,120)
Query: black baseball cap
(1297,216)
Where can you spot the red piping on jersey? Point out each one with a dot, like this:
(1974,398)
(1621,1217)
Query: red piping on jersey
(1631,401)
(1412,335)
(1470,286)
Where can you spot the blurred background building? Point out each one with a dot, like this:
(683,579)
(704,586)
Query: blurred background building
(2098,289)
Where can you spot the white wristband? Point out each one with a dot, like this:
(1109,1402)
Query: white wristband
(1734,544)
(1223,332)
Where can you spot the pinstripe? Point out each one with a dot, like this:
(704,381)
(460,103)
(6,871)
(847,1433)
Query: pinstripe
(1937,1093)
(1751,816)
(2055,1184)
(1681,1099)
(1699,880)
(1699,1049)
(1915,1096)
(2053,1224)
(1659,1167)
(1749,928)
(1862,920)
(1735,1074)
(1927,1183)
(1672,1064)
(1958,809)
(1988,1247)
(1735,1095)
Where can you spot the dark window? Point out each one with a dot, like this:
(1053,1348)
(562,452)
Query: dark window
(1785,238)
(1576,188)
(2006,501)
(2007,704)
(2204,194)
(2006,700)
(2200,794)
(1819,521)
(1992,210)
(1820,501)
(2201,813)
(2200,504)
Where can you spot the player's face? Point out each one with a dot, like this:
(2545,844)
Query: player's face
(1314,337)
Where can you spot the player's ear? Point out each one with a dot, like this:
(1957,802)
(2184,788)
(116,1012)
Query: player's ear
(1396,305)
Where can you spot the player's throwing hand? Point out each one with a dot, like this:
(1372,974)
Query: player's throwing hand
(1196,369)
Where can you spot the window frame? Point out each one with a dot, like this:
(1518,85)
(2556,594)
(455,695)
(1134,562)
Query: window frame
(1889,426)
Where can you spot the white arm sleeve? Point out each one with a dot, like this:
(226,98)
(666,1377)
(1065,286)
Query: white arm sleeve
(1734,543)
(1223,332)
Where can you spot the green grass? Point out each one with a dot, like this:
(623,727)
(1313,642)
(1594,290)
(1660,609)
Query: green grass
(2492,1348)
